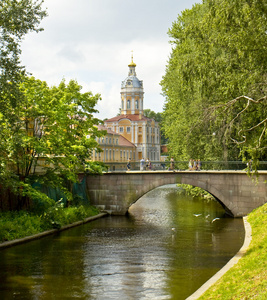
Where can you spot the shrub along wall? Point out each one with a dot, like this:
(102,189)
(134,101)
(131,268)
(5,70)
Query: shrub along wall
(9,201)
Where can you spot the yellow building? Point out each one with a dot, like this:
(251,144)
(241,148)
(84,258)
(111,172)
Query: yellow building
(116,148)
(141,131)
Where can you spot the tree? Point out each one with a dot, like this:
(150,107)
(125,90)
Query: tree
(54,126)
(217,62)
(53,137)
(158,118)
(17,18)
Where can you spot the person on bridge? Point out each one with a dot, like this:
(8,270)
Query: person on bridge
(190,165)
(129,165)
(142,164)
(147,163)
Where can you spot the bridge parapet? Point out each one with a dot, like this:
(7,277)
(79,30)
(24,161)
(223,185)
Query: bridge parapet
(183,165)
(115,192)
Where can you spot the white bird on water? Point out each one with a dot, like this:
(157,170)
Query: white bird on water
(215,220)
(197,215)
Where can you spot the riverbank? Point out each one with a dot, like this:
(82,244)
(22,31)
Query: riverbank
(248,278)
(49,232)
(15,225)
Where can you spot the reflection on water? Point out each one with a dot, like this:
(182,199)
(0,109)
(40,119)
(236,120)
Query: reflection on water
(165,248)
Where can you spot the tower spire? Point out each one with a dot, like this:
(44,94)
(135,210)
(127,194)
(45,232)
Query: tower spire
(132,64)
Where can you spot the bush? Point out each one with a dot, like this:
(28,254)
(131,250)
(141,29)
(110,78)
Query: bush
(19,224)
(14,225)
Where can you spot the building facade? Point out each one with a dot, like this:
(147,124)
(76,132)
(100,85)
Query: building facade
(141,131)
(115,148)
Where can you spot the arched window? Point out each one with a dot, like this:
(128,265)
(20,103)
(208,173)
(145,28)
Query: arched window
(128,104)
(122,104)
(136,104)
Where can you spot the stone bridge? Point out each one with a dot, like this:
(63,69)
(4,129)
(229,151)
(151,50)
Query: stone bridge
(239,194)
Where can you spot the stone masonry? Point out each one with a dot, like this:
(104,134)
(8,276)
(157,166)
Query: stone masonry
(238,193)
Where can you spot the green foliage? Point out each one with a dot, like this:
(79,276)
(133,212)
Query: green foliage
(158,118)
(193,191)
(14,225)
(153,115)
(55,216)
(17,19)
(19,224)
(54,135)
(48,130)
(219,54)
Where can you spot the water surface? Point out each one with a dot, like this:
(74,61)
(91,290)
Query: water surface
(165,248)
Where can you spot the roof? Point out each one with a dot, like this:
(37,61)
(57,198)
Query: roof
(109,131)
(129,117)
(124,142)
(132,81)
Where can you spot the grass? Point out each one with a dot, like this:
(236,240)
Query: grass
(19,224)
(248,278)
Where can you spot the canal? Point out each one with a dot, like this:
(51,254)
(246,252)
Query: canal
(165,248)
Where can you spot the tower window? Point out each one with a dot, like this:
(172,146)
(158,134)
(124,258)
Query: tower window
(136,104)
(128,104)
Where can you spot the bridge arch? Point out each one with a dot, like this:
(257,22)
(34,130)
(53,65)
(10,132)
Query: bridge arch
(115,192)
(211,189)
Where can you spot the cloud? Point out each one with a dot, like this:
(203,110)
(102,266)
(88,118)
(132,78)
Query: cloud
(91,41)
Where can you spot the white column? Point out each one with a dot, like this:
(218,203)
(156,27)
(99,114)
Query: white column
(144,141)
(132,103)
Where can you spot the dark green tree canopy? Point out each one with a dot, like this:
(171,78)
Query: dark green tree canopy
(215,81)
(17,18)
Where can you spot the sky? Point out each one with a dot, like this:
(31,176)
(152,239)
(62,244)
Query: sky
(92,41)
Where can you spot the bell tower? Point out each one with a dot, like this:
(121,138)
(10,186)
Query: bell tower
(132,93)
(141,131)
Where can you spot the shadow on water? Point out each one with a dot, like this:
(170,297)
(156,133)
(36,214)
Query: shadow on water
(165,248)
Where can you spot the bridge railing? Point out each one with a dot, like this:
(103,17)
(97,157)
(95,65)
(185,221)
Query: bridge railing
(183,165)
